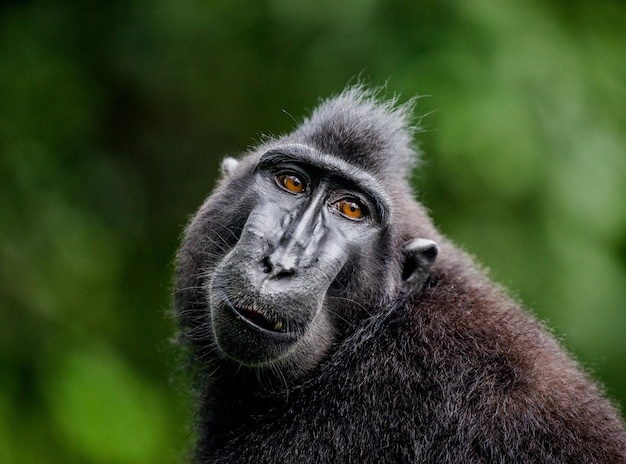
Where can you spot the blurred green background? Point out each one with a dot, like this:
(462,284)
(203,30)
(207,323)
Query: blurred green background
(114,117)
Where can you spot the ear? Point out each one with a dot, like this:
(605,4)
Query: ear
(228,166)
(419,256)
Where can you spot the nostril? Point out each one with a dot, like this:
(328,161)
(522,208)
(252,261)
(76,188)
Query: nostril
(276,268)
(286,272)
(266,265)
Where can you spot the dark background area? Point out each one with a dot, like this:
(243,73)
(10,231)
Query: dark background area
(114,117)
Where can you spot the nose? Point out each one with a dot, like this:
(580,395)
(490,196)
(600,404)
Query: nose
(279,265)
(284,260)
(297,241)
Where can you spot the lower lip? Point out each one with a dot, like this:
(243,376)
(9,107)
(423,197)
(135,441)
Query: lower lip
(251,323)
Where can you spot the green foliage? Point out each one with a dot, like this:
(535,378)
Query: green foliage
(113,119)
(97,403)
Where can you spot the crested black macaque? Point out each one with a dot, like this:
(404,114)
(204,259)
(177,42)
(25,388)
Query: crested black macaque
(328,321)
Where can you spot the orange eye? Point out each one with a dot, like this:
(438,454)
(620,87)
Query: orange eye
(291,183)
(350,209)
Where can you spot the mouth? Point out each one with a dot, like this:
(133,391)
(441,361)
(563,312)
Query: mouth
(260,319)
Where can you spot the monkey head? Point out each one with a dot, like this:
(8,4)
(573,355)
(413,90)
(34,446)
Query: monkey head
(280,257)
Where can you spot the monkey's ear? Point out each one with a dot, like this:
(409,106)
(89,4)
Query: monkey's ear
(419,256)
(228,166)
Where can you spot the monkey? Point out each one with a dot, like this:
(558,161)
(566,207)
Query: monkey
(327,320)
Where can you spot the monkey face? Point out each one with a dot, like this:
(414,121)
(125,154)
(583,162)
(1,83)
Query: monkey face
(312,218)
(287,253)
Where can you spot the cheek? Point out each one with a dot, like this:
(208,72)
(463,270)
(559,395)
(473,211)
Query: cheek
(355,244)
(263,222)
(369,263)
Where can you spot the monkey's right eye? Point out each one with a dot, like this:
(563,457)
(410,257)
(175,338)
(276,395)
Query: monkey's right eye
(291,183)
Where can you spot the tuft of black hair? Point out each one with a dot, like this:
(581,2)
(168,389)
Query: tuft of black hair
(358,127)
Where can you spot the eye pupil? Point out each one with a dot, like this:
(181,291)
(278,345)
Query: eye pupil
(291,183)
(350,209)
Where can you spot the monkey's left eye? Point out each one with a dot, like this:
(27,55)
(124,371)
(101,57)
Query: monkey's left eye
(350,208)
(291,183)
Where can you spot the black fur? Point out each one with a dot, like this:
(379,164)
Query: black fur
(452,371)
